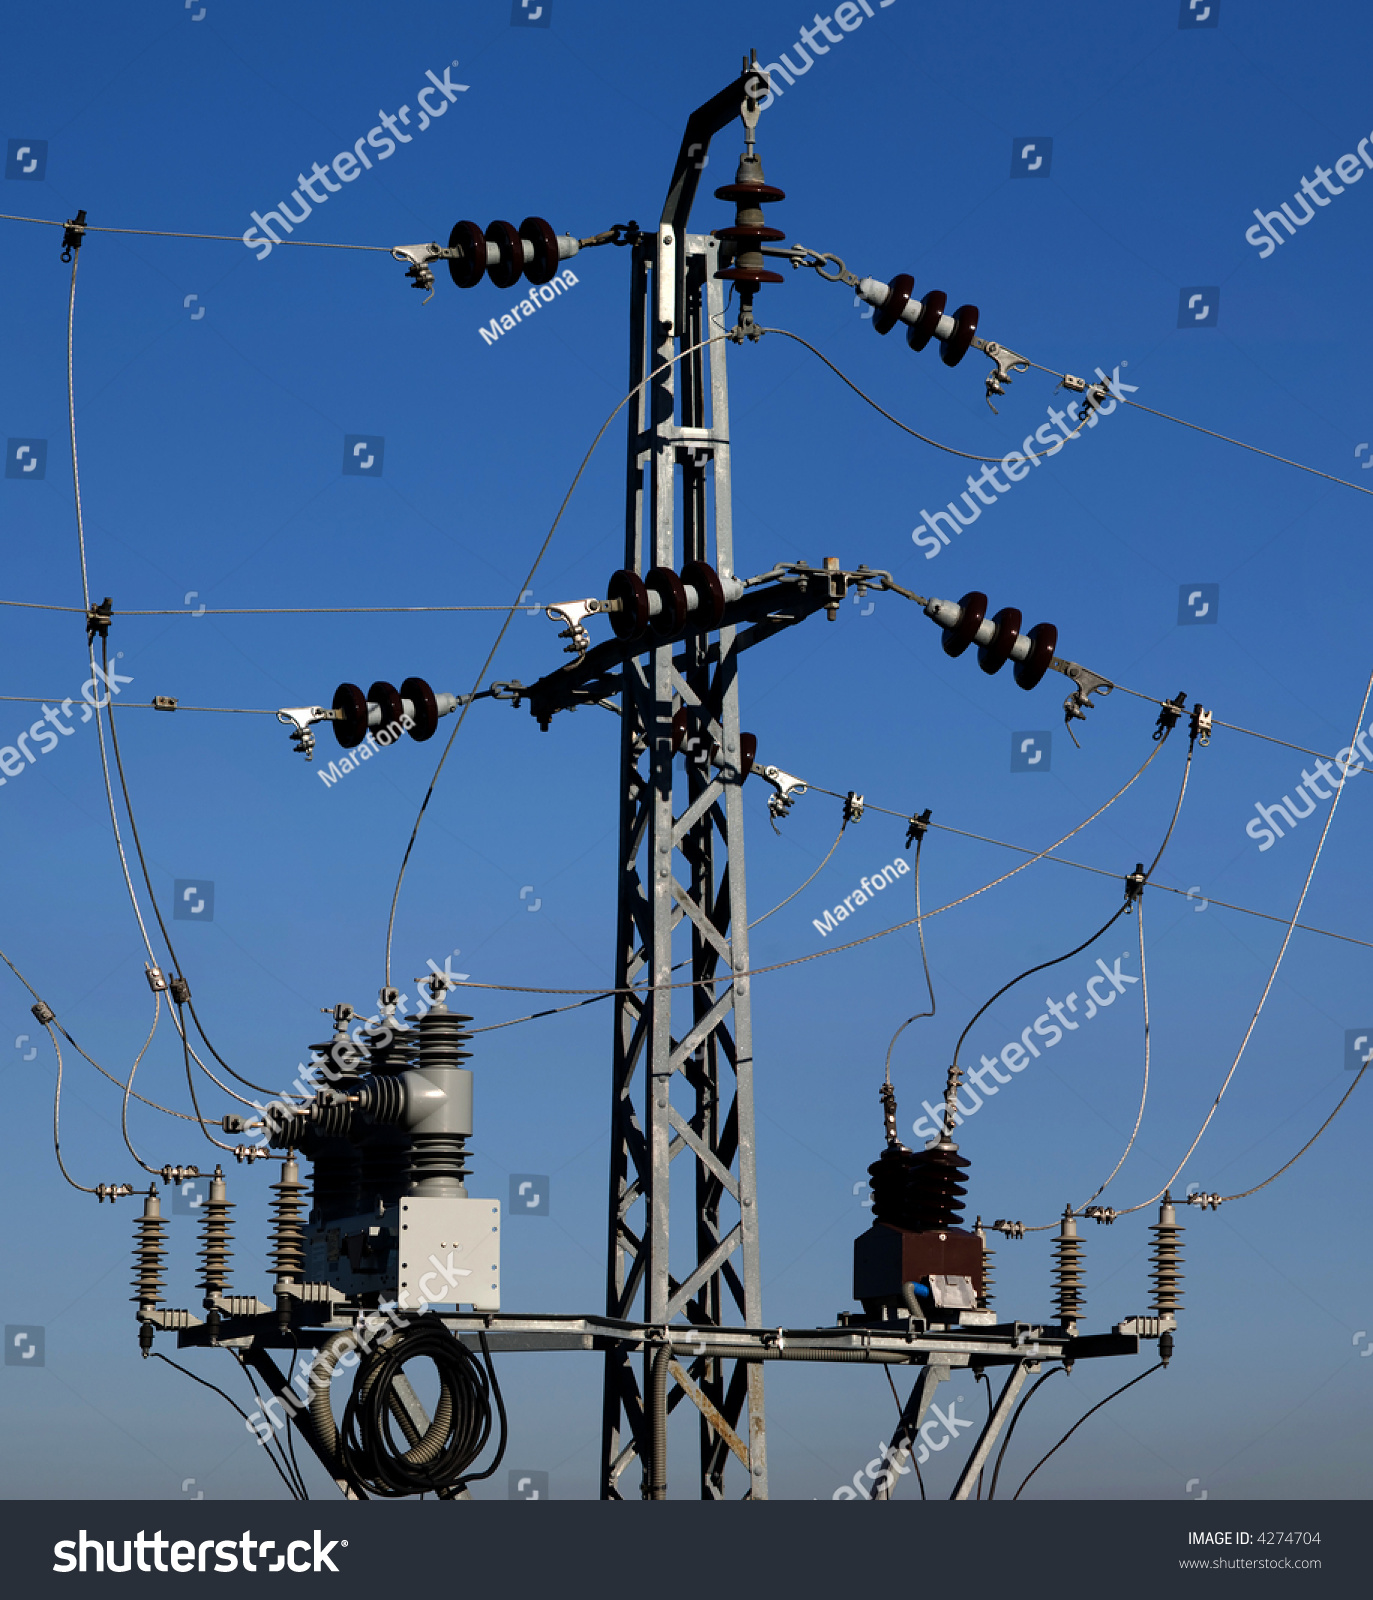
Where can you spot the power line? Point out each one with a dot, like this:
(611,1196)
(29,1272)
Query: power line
(166,233)
(924,439)
(814,875)
(1244,1195)
(1071,1431)
(252,611)
(1101,872)
(1234,727)
(157,910)
(206,1384)
(1300,466)
(1272,976)
(925,960)
(836,949)
(128,1088)
(1224,438)
(996,1472)
(1144,1091)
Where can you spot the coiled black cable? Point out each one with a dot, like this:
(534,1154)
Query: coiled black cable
(438,1462)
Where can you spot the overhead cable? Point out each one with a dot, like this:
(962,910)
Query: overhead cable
(1272,976)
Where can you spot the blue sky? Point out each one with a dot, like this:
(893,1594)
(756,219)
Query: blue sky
(211,450)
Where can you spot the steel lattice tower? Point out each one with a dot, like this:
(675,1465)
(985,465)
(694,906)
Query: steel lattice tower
(682,1088)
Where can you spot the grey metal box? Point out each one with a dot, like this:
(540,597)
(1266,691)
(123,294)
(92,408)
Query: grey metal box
(450,1253)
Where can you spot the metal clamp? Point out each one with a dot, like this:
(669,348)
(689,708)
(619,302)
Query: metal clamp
(298,719)
(917,827)
(1094,396)
(1169,714)
(573,612)
(787,787)
(73,232)
(1201,724)
(419,256)
(1079,702)
(1006,362)
(514,692)
(801,255)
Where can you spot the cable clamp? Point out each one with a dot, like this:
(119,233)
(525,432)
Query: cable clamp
(180,990)
(112,1191)
(73,232)
(1068,381)
(1005,361)
(1101,1214)
(419,256)
(1168,716)
(98,619)
(853,807)
(787,787)
(1079,702)
(44,1012)
(918,827)
(573,613)
(299,719)
(1134,884)
(164,702)
(1095,396)
(1207,1202)
(1009,1230)
(156,981)
(1201,724)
